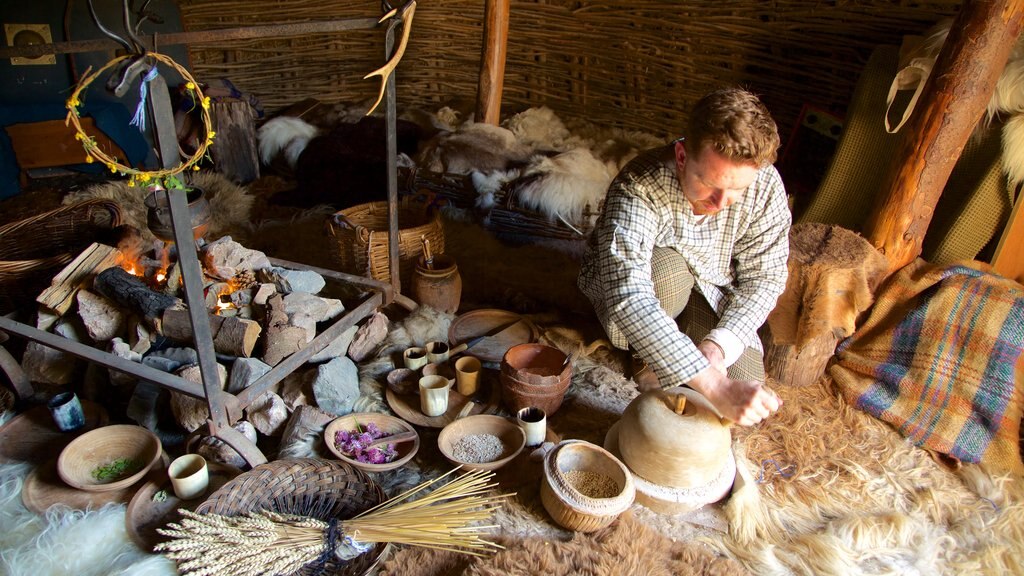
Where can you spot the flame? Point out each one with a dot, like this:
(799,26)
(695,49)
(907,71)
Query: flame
(131,269)
(161,276)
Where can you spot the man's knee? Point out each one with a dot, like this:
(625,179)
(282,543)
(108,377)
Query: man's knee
(673,281)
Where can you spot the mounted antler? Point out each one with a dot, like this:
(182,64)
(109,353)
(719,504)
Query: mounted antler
(386,70)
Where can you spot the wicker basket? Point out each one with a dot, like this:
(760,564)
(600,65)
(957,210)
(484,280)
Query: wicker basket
(33,250)
(309,487)
(361,239)
(570,507)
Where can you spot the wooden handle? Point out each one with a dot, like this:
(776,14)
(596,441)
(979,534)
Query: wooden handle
(460,348)
(428,258)
(393,439)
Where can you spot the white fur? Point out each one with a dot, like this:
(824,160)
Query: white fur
(561,186)
(287,134)
(1013,149)
(64,541)
(482,147)
(487,185)
(539,127)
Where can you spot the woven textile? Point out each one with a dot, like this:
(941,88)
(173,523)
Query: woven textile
(936,360)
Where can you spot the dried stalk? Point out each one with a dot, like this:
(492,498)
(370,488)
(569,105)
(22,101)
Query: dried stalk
(264,542)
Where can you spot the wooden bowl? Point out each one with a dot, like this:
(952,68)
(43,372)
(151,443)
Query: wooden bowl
(103,446)
(511,435)
(581,508)
(386,423)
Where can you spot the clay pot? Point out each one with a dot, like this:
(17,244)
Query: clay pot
(438,285)
(534,375)
(159,217)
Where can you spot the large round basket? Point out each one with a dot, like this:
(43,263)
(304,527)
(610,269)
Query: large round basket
(361,239)
(33,250)
(305,486)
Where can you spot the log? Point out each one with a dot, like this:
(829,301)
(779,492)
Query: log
(282,339)
(953,100)
(833,274)
(492,61)
(231,335)
(120,286)
(60,295)
(234,148)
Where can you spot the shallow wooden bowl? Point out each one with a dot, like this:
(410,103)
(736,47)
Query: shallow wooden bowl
(102,446)
(511,435)
(387,423)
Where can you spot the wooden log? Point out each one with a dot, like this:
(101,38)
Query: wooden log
(833,274)
(953,100)
(231,335)
(302,431)
(234,149)
(492,61)
(120,286)
(282,338)
(78,274)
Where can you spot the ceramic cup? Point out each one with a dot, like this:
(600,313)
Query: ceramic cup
(438,352)
(415,357)
(533,421)
(434,395)
(467,375)
(66,410)
(190,476)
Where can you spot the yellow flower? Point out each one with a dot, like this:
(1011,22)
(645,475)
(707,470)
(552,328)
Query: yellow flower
(113,168)
(195,167)
(210,135)
(206,103)
(79,136)
(88,159)
(131,182)
(190,86)
(144,177)
(73,103)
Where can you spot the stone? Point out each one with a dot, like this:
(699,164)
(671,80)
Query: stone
(265,291)
(317,308)
(336,386)
(171,359)
(192,413)
(245,371)
(217,451)
(338,347)
(47,365)
(288,281)
(369,337)
(223,258)
(121,349)
(102,318)
(297,389)
(268,414)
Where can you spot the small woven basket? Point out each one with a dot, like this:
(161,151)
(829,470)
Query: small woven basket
(311,487)
(566,503)
(361,239)
(33,250)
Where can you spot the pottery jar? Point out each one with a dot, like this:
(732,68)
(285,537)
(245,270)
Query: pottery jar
(438,283)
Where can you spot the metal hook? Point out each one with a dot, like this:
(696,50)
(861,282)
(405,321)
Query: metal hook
(115,37)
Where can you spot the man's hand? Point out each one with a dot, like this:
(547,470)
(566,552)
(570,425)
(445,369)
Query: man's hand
(713,352)
(745,402)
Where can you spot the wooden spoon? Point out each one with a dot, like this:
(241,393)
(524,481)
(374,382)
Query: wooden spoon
(393,439)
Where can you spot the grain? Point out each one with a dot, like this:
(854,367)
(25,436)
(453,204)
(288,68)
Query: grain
(478,448)
(592,484)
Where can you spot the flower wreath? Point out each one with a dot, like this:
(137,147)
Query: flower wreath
(167,176)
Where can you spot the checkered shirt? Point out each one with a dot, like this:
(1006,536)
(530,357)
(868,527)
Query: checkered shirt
(737,256)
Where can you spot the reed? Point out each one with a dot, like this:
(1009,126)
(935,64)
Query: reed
(451,517)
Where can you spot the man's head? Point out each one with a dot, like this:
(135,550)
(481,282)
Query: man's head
(731,136)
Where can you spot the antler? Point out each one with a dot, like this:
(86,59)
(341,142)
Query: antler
(387,69)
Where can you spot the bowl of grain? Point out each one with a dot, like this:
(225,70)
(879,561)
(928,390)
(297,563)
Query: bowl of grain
(585,487)
(481,442)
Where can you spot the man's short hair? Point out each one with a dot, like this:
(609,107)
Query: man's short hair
(734,123)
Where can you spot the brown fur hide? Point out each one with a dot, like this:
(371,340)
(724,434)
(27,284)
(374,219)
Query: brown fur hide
(624,547)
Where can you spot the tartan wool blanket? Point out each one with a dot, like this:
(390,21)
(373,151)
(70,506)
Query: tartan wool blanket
(936,359)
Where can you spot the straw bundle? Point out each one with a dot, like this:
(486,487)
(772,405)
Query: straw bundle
(265,542)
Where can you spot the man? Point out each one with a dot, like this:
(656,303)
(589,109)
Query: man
(698,229)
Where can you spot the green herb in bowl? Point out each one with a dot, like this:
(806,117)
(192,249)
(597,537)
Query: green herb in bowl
(120,468)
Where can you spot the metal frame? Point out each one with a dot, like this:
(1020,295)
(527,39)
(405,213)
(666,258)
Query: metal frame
(225,408)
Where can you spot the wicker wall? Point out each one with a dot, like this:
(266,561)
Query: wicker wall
(635,64)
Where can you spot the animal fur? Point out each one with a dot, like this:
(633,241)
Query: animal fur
(285,135)
(474,146)
(562,186)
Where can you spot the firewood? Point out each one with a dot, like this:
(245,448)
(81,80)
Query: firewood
(121,286)
(231,335)
(61,294)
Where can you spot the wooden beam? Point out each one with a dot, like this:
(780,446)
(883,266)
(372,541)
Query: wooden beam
(492,62)
(211,36)
(953,100)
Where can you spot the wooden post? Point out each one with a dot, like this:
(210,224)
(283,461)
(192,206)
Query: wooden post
(953,100)
(492,62)
(234,148)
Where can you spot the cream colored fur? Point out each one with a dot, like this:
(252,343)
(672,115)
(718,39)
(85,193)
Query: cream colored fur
(287,135)
(562,186)
(474,146)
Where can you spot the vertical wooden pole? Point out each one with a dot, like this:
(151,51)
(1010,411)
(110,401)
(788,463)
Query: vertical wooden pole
(953,100)
(492,62)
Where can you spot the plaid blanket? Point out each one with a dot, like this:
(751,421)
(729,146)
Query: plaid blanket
(936,359)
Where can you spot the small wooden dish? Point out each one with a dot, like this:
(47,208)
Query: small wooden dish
(511,435)
(387,423)
(102,446)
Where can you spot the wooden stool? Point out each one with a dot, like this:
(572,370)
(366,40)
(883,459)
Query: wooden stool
(833,274)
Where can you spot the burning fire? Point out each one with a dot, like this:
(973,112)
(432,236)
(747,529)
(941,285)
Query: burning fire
(161,276)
